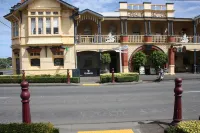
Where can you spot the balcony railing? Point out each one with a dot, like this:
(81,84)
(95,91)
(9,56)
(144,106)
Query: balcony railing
(135,6)
(158,7)
(90,39)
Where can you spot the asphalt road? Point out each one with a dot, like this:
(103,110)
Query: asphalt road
(101,104)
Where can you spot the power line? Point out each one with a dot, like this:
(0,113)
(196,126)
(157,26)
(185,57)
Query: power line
(5,24)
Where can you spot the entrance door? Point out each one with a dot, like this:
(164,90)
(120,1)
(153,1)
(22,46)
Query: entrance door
(17,66)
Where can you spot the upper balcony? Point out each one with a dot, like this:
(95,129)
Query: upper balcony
(156,39)
(146,10)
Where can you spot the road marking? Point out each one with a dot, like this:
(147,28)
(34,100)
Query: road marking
(4,97)
(109,131)
(91,84)
(191,92)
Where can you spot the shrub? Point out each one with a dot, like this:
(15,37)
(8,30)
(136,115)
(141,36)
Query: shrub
(119,77)
(39,79)
(139,59)
(28,128)
(185,127)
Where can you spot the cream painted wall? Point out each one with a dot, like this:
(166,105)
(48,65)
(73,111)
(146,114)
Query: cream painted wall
(43,4)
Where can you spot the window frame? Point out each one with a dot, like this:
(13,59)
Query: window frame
(38,65)
(60,63)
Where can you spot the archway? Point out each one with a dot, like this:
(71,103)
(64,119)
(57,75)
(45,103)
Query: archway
(147,49)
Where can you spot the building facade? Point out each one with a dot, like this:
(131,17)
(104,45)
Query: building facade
(51,38)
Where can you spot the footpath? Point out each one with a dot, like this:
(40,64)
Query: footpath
(125,127)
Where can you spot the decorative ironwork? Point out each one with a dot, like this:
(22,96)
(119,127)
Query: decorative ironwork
(135,14)
(159,14)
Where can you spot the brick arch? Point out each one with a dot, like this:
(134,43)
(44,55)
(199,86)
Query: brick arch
(141,48)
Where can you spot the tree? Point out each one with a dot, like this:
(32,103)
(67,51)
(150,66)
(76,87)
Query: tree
(139,59)
(106,60)
(5,63)
(158,58)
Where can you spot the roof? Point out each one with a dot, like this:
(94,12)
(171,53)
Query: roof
(92,12)
(26,2)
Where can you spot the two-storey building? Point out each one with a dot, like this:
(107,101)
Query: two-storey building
(49,37)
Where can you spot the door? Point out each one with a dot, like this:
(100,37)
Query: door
(17,66)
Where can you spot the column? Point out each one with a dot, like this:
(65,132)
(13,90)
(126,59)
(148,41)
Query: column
(122,27)
(36,21)
(168,28)
(75,31)
(149,24)
(171,61)
(172,28)
(194,32)
(125,61)
(145,27)
(195,67)
(126,31)
(99,31)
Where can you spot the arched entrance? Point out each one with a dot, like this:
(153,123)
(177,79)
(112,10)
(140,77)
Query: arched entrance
(147,49)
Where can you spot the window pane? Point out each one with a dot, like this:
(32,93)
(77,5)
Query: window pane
(40,13)
(35,62)
(58,62)
(40,26)
(33,26)
(55,13)
(48,25)
(17,29)
(55,25)
(48,13)
(13,30)
(32,13)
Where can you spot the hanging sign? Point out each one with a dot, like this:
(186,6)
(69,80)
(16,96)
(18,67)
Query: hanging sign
(66,48)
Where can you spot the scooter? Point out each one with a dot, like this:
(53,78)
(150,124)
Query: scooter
(160,75)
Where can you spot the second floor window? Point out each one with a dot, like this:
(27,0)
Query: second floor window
(15,29)
(40,25)
(33,26)
(48,25)
(55,25)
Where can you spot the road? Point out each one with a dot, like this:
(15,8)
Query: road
(100,104)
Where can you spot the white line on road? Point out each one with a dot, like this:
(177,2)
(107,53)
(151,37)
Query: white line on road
(4,97)
(191,92)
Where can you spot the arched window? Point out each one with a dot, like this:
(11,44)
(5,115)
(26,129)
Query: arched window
(87,30)
(113,30)
(136,29)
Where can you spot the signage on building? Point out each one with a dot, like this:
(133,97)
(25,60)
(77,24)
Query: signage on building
(88,72)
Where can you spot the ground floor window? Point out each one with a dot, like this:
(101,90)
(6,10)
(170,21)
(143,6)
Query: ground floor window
(35,62)
(58,62)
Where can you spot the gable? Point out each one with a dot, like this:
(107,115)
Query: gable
(42,4)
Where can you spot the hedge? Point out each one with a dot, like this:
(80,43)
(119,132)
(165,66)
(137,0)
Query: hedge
(185,127)
(28,128)
(39,79)
(119,77)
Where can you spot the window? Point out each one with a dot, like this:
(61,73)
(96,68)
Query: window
(136,29)
(32,13)
(15,29)
(48,13)
(48,25)
(87,30)
(40,25)
(40,13)
(55,13)
(33,26)
(35,62)
(58,62)
(34,54)
(55,25)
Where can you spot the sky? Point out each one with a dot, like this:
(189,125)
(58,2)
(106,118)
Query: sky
(183,9)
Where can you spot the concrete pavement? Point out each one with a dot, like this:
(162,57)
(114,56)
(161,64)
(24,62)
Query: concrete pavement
(76,108)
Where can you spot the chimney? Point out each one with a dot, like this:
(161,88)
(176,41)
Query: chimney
(22,1)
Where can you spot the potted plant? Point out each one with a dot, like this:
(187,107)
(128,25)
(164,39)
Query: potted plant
(171,39)
(123,38)
(147,38)
(159,59)
(105,60)
(139,60)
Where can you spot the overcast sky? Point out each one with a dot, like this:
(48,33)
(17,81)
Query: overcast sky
(183,9)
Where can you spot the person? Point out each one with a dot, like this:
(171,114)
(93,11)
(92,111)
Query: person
(161,73)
